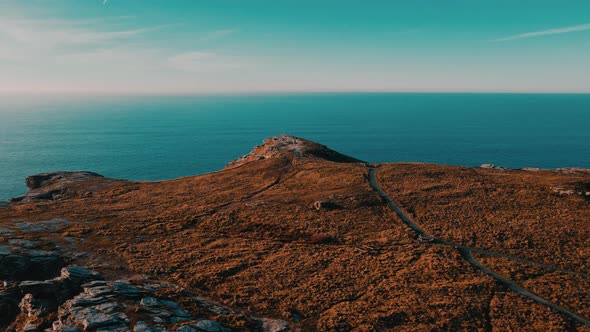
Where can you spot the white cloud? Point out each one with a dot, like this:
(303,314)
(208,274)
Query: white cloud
(101,54)
(202,62)
(574,28)
(43,34)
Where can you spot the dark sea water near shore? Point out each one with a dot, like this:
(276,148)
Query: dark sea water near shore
(155,138)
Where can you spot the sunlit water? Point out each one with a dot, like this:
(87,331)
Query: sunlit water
(153,138)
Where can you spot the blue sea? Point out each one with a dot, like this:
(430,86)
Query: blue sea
(165,137)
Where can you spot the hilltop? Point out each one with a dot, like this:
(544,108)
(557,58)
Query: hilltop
(296,236)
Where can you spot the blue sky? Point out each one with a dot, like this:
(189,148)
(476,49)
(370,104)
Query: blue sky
(193,46)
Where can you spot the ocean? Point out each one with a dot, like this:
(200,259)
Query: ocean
(165,137)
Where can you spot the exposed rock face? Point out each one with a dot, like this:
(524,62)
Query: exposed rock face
(581,188)
(53,185)
(9,302)
(573,170)
(492,166)
(79,299)
(17,263)
(290,145)
(45,179)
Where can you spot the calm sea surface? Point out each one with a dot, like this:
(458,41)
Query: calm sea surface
(154,138)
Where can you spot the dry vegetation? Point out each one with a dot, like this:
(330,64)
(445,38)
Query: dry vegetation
(251,238)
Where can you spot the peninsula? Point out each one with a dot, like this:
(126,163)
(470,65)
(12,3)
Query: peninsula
(295,236)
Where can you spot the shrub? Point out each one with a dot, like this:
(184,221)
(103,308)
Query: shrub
(324,238)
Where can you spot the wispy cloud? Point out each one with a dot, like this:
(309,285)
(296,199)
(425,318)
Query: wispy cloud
(533,34)
(51,34)
(199,61)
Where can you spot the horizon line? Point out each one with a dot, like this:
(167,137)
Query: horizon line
(271,92)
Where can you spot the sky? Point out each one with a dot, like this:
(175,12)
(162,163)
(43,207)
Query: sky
(256,46)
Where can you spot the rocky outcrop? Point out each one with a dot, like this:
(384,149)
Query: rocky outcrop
(54,185)
(580,188)
(80,299)
(18,263)
(49,178)
(282,145)
(564,170)
(492,166)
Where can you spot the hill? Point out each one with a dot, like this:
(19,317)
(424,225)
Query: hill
(295,236)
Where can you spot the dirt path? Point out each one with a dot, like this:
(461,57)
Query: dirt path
(466,254)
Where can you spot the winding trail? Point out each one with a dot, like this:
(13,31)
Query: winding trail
(466,254)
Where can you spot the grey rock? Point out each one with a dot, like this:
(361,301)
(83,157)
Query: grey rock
(142,326)
(52,185)
(98,291)
(182,313)
(125,289)
(44,179)
(274,325)
(149,302)
(160,312)
(44,264)
(492,166)
(5,231)
(114,329)
(22,243)
(80,274)
(169,304)
(36,288)
(186,328)
(211,326)
(30,327)
(69,329)
(94,283)
(532,169)
(95,320)
(107,308)
(4,250)
(176,319)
